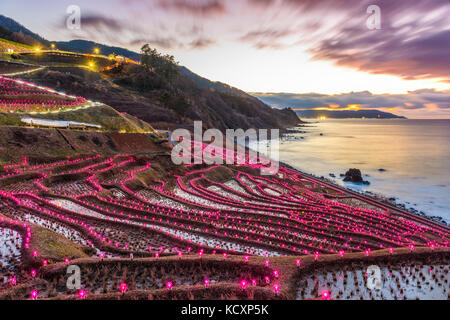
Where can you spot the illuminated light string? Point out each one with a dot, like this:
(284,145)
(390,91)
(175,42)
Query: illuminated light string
(178,232)
(15,93)
(380,245)
(116,244)
(98,208)
(358,229)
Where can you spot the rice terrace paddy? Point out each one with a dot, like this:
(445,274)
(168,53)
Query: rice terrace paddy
(198,231)
(19,96)
(89,180)
(222,227)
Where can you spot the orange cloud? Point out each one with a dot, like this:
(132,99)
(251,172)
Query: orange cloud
(353,107)
(336,107)
(432,106)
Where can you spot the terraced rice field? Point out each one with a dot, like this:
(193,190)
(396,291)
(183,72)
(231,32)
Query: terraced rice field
(10,246)
(411,279)
(20,96)
(222,226)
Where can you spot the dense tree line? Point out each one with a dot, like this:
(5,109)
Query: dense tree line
(17,37)
(164,65)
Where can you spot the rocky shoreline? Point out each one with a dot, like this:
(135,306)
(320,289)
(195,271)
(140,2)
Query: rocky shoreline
(377,197)
(389,200)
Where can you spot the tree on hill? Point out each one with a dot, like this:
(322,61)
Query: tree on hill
(163,65)
(22,34)
(18,37)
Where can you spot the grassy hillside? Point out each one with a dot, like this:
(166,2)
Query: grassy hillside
(212,85)
(17,47)
(40,145)
(163,104)
(103,115)
(107,117)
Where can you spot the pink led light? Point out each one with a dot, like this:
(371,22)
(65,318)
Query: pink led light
(123,287)
(169,285)
(82,294)
(325,295)
(302,221)
(276,289)
(34,295)
(243,284)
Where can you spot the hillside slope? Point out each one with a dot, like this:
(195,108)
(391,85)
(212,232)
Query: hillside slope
(20,100)
(146,95)
(21,33)
(16,143)
(84,46)
(166,105)
(6,44)
(109,119)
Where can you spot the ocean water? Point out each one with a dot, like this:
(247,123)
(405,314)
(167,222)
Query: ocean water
(414,153)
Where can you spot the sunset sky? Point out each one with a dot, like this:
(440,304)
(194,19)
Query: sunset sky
(321,51)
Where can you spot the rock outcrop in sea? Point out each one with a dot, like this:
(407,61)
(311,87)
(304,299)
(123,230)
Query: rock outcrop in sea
(354,175)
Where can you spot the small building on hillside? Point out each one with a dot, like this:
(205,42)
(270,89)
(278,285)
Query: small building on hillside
(36,122)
